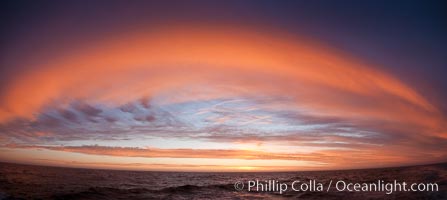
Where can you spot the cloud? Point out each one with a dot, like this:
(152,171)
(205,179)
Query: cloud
(222,86)
(243,60)
(167,167)
(86,109)
(171,153)
(349,140)
(327,158)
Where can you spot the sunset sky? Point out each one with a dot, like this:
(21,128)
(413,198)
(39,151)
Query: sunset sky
(223,85)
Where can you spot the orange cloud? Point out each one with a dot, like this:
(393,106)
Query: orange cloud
(180,64)
(327,159)
(150,63)
(167,167)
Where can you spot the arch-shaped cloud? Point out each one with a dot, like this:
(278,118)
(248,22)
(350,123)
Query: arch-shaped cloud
(232,84)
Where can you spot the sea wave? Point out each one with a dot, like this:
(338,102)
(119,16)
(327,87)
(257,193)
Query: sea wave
(38,182)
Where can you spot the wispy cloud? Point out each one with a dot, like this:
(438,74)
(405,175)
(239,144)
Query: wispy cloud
(328,158)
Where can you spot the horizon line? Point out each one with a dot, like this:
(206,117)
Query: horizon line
(240,171)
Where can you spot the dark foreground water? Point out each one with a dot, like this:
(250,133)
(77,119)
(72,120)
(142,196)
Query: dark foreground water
(38,182)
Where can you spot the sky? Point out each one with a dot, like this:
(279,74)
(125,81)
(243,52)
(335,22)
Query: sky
(223,85)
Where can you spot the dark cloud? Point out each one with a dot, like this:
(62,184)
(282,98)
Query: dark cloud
(68,115)
(83,121)
(128,108)
(148,118)
(110,123)
(110,119)
(145,102)
(87,109)
(48,120)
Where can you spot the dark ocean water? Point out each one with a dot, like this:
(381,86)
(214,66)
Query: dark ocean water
(39,182)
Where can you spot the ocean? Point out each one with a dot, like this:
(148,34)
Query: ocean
(41,182)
